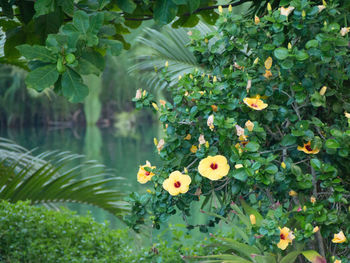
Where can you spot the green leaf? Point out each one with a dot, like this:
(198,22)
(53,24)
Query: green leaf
(81,21)
(96,23)
(271,169)
(250,210)
(290,257)
(287,64)
(332,144)
(313,256)
(103,3)
(164,11)
(43,7)
(72,86)
(193,5)
(301,55)
(67,6)
(36,52)
(114,47)
(91,62)
(311,43)
(127,6)
(281,53)
(316,164)
(288,140)
(240,174)
(42,77)
(252,146)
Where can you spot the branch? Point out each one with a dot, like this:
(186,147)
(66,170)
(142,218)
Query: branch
(318,233)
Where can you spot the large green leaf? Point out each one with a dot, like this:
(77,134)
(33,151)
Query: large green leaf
(281,53)
(36,52)
(67,6)
(164,11)
(72,86)
(126,5)
(43,7)
(81,21)
(314,257)
(42,77)
(91,62)
(251,211)
(290,257)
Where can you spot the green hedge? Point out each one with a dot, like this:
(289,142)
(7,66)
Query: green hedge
(35,234)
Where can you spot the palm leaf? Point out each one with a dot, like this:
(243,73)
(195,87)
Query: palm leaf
(50,179)
(168,45)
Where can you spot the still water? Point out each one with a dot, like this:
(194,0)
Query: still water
(122,152)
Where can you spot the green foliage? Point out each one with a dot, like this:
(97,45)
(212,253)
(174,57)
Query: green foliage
(35,234)
(300,136)
(48,179)
(62,40)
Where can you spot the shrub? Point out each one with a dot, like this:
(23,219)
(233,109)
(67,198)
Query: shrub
(35,234)
(274,107)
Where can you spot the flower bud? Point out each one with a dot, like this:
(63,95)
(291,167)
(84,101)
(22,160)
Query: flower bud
(256,20)
(220,9)
(316,228)
(269,8)
(252,219)
(166,63)
(323,90)
(155,106)
(230,8)
(256,61)
(283,165)
(289,46)
(303,14)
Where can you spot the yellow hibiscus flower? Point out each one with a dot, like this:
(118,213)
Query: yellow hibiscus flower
(286,237)
(177,183)
(339,238)
(144,176)
(307,148)
(214,167)
(255,103)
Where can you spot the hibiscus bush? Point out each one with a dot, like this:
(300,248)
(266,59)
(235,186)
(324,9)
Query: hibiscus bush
(263,120)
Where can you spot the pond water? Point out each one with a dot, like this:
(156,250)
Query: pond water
(123,152)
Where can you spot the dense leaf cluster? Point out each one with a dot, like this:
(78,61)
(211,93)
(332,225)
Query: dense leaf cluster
(63,40)
(299,142)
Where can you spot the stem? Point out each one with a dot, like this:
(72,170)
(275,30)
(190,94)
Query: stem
(318,233)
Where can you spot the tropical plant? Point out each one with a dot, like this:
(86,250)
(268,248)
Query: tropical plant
(165,47)
(271,125)
(53,178)
(246,248)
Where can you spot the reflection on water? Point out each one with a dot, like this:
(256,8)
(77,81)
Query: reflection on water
(117,152)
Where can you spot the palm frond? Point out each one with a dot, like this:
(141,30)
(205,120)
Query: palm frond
(167,45)
(52,178)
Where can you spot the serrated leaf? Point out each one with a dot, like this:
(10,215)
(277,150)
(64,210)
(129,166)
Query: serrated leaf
(164,11)
(36,52)
(42,77)
(73,87)
(127,6)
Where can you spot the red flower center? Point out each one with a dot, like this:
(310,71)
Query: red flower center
(282,237)
(147,173)
(308,147)
(177,184)
(214,166)
(254,105)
